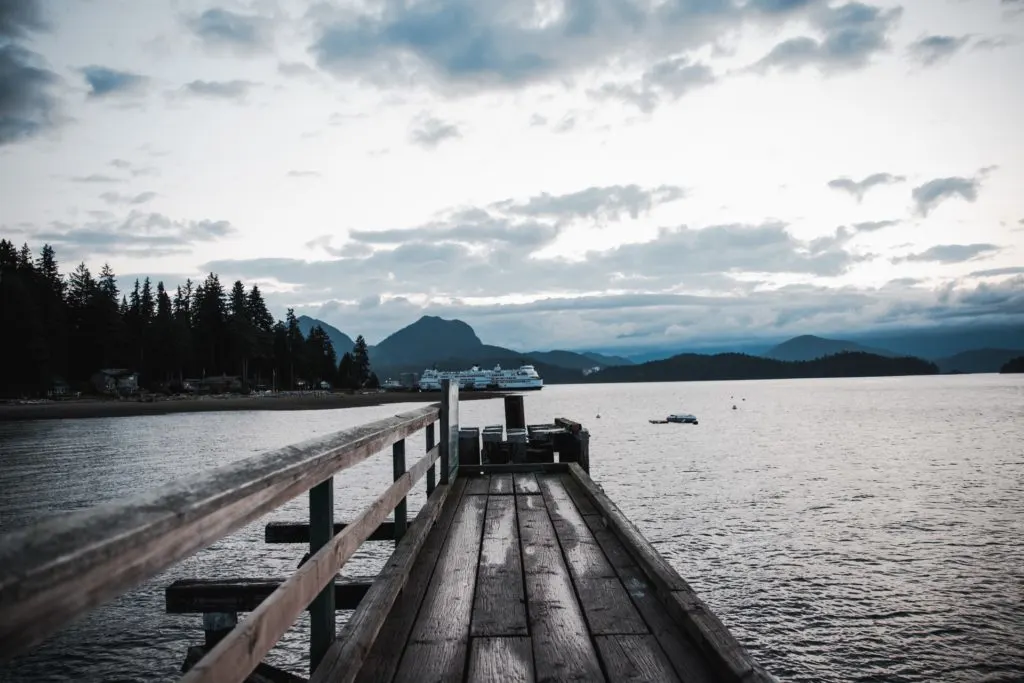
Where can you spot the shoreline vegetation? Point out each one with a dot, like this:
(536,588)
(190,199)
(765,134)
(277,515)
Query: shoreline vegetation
(71,409)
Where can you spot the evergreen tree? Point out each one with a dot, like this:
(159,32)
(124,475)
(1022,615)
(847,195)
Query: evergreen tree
(347,372)
(361,361)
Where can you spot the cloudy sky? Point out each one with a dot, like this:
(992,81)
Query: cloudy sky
(558,173)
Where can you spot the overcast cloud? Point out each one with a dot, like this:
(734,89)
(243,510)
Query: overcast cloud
(603,174)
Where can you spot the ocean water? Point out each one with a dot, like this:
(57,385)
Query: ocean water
(844,529)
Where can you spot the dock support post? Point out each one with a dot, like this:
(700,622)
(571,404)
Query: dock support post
(321,612)
(216,625)
(449,430)
(432,472)
(401,510)
(515,415)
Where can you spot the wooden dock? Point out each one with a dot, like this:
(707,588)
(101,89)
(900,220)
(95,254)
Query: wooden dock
(517,568)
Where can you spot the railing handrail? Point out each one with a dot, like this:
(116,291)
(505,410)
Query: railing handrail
(58,569)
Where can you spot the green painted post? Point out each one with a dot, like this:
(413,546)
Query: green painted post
(432,472)
(402,509)
(321,612)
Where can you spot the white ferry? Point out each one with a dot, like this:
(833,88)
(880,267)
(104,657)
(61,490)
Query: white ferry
(522,378)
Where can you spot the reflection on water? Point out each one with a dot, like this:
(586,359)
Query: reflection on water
(856,529)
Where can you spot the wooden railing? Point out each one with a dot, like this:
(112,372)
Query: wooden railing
(59,569)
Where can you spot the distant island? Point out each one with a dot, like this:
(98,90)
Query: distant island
(691,367)
(1013,365)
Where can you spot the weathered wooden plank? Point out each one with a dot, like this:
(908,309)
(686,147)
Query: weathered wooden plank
(507,468)
(562,648)
(525,483)
(298,532)
(477,486)
(60,568)
(343,660)
(634,658)
(689,663)
(647,558)
(195,596)
(729,659)
(608,609)
(500,660)
(499,605)
(583,502)
(440,662)
(439,642)
(242,649)
(715,640)
(501,484)
(583,555)
(385,653)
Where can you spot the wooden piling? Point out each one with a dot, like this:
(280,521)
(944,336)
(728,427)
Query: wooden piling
(469,446)
(515,414)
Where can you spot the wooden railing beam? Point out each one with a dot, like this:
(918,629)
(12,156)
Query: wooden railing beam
(55,571)
(243,649)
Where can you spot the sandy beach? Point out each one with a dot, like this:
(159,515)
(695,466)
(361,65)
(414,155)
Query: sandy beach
(84,408)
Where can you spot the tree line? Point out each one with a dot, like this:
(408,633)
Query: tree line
(64,328)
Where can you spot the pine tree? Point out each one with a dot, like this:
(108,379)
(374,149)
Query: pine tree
(361,361)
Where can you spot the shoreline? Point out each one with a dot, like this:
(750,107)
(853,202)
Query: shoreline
(94,408)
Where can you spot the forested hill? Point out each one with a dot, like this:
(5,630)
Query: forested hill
(692,367)
(59,329)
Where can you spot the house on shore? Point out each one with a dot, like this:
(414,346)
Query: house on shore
(116,382)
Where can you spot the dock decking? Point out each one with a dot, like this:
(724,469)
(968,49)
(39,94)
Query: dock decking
(517,568)
(519,580)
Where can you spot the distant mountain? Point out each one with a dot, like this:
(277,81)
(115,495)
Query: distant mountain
(571,359)
(690,367)
(943,342)
(809,347)
(342,342)
(607,361)
(428,340)
(978,360)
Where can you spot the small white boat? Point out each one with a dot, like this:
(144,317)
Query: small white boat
(677,418)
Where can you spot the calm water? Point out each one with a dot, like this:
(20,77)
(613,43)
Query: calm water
(845,530)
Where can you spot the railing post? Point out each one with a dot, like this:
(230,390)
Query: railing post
(216,625)
(449,430)
(321,610)
(401,510)
(432,472)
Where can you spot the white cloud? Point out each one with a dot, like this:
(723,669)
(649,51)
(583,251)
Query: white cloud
(609,170)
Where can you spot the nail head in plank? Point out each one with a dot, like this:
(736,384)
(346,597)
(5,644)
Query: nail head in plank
(634,658)
(608,609)
(499,603)
(562,647)
(385,653)
(525,483)
(500,660)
